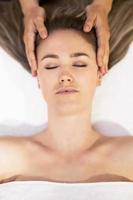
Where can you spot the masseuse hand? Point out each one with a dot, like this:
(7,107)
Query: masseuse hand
(33,22)
(97,16)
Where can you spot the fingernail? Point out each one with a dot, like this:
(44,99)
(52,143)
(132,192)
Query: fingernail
(33,73)
(103,71)
(107,70)
(86,28)
(44,35)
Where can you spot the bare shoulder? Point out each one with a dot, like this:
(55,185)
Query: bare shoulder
(120,144)
(11,143)
(121,154)
(12,156)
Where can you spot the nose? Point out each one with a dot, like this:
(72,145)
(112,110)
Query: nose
(65,79)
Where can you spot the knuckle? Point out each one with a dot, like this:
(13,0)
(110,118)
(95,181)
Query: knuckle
(89,20)
(101,54)
(31,55)
(89,13)
(30,45)
(40,24)
(30,34)
(29,22)
(41,28)
(38,19)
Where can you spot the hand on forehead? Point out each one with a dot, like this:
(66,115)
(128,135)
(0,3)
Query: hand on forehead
(96,16)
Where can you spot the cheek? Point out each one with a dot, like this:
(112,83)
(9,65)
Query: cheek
(47,83)
(88,81)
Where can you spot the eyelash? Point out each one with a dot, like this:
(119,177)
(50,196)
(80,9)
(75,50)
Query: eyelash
(57,66)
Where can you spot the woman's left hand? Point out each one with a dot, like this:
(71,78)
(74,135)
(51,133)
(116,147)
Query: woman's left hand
(97,16)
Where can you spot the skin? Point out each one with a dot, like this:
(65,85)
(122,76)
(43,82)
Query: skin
(70,143)
(96,16)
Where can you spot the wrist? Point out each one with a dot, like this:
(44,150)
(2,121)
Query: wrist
(26,5)
(105,4)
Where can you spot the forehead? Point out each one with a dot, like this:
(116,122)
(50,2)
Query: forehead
(63,41)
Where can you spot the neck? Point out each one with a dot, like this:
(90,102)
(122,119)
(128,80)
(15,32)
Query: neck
(70,135)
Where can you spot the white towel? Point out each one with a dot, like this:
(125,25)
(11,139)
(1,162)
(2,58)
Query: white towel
(45,190)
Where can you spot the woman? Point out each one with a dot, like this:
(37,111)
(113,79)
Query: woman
(67,76)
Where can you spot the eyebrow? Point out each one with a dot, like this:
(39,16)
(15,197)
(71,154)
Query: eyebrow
(77,54)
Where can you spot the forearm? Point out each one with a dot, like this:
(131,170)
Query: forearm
(27,4)
(106,3)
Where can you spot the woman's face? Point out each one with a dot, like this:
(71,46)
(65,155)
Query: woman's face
(66,59)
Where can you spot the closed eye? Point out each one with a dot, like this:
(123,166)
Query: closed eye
(73,65)
(51,67)
(80,65)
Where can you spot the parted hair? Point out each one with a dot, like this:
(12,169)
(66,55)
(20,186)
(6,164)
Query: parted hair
(66,14)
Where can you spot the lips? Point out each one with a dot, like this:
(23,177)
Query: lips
(66,90)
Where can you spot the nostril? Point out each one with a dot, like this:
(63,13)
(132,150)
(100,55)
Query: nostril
(63,79)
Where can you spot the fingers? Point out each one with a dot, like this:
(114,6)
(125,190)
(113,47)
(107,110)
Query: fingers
(41,28)
(104,67)
(34,22)
(90,20)
(89,23)
(29,40)
(103,36)
(97,17)
(31,55)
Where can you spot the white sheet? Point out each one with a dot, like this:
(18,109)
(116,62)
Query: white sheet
(24,112)
(41,190)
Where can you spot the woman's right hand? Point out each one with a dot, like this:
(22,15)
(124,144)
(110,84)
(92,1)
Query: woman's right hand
(34,19)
